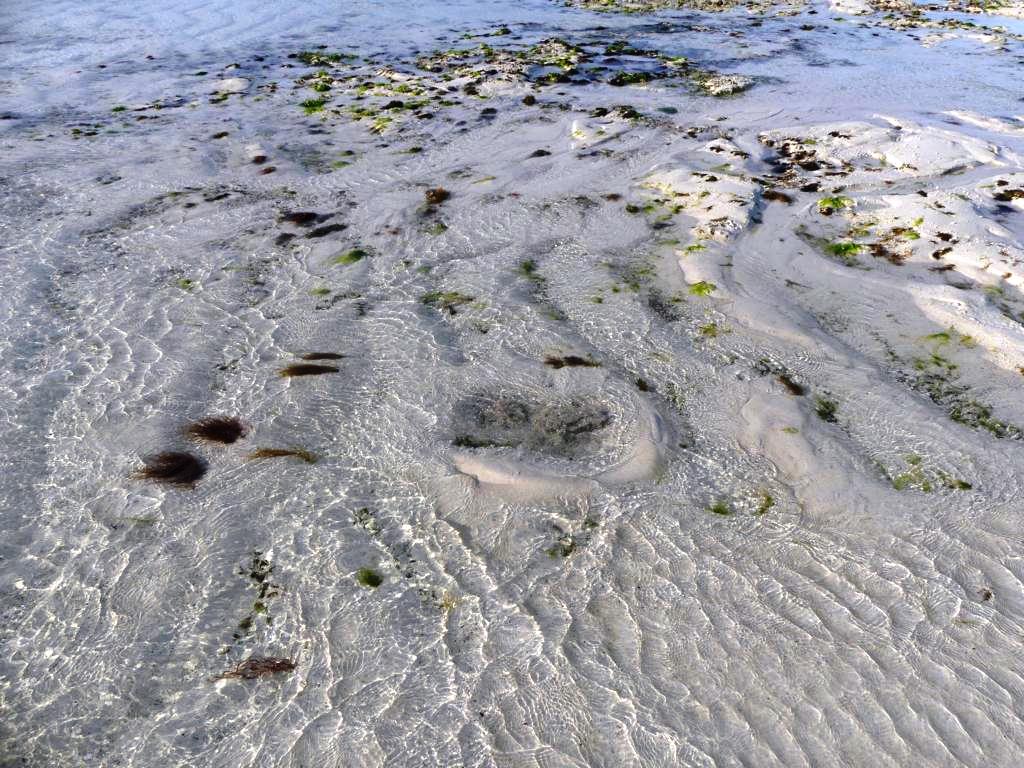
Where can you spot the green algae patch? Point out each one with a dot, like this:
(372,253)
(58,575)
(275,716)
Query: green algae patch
(446,301)
(844,251)
(528,269)
(564,547)
(703,288)
(829,205)
(720,508)
(826,408)
(313,106)
(367,577)
(353,256)
(918,477)
(320,58)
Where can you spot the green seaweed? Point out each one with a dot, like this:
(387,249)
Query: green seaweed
(826,408)
(829,205)
(320,59)
(350,257)
(528,269)
(446,301)
(720,508)
(312,106)
(368,577)
(844,251)
(702,288)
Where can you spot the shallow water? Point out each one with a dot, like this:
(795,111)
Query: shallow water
(655,470)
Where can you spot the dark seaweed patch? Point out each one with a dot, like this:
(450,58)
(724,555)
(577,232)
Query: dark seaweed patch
(570,361)
(325,230)
(301,218)
(793,387)
(173,467)
(302,369)
(777,197)
(217,429)
(322,356)
(437,195)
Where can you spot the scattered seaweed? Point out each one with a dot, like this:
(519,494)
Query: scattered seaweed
(258,666)
(303,369)
(274,453)
(217,429)
(259,571)
(826,408)
(173,468)
(564,547)
(446,301)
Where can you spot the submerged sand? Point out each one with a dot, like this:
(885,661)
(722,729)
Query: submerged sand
(614,388)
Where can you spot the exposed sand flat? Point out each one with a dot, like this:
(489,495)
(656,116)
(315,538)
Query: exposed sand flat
(471,384)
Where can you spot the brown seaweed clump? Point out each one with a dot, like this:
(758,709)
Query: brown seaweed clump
(570,361)
(172,467)
(258,666)
(217,429)
(437,195)
(307,369)
(274,453)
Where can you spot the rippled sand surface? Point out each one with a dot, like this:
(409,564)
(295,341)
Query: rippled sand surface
(651,427)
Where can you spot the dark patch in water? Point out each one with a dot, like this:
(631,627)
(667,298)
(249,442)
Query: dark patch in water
(437,195)
(276,453)
(777,197)
(794,388)
(326,230)
(570,361)
(301,218)
(306,369)
(563,428)
(172,467)
(322,356)
(258,666)
(217,429)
